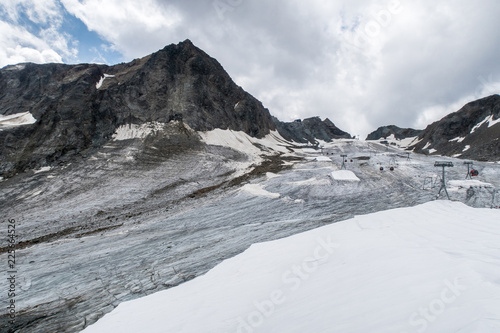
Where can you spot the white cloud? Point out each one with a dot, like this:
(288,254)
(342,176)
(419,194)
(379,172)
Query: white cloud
(40,12)
(362,63)
(133,28)
(435,112)
(18,45)
(26,54)
(40,42)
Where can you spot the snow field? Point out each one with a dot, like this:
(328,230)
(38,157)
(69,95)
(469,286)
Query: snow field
(428,268)
(157,250)
(405,143)
(309,150)
(247,145)
(258,190)
(315,181)
(243,142)
(345,175)
(468,183)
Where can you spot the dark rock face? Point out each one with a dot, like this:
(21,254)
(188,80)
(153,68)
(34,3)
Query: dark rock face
(458,134)
(62,100)
(399,133)
(310,129)
(76,115)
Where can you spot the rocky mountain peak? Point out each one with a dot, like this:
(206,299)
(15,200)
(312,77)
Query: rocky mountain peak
(310,130)
(399,133)
(473,132)
(77,108)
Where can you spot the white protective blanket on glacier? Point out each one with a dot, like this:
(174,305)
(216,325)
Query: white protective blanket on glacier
(430,268)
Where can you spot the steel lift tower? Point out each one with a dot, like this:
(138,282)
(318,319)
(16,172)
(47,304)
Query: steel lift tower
(469,169)
(443,179)
(344,159)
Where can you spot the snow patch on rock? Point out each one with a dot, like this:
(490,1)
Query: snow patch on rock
(407,142)
(43,169)
(489,120)
(492,122)
(457,139)
(18,119)
(133,131)
(101,81)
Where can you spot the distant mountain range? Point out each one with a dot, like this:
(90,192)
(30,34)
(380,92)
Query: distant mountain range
(70,111)
(473,132)
(78,107)
(310,130)
(55,113)
(398,133)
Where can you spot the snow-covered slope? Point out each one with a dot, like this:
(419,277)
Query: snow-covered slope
(434,268)
(400,143)
(134,220)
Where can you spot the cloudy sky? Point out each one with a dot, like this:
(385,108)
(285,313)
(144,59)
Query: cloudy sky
(361,63)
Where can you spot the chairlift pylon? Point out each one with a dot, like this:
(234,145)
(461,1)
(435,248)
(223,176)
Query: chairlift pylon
(443,179)
(344,160)
(470,169)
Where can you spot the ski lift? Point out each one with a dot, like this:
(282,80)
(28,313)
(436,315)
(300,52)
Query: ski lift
(344,160)
(474,173)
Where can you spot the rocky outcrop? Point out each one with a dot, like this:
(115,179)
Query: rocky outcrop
(78,107)
(473,132)
(399,133)
(310,130)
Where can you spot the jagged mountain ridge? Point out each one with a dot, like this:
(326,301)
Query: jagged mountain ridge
(473,132)
(399,133)
(77,111)
(78,107)
(310,130)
